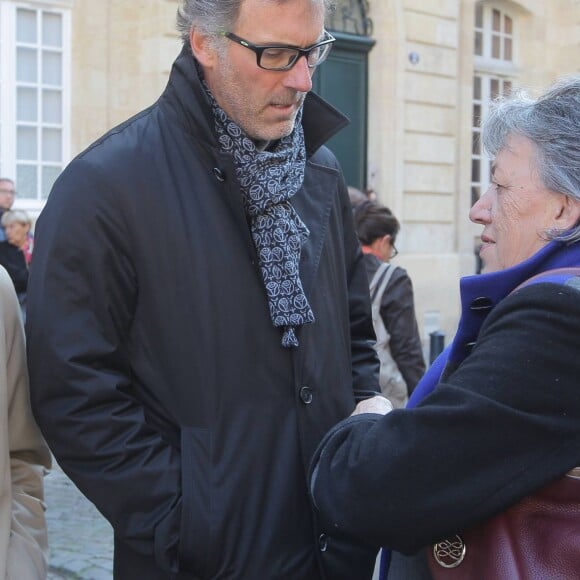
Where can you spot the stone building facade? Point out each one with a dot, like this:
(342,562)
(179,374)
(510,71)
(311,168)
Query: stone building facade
(71,69)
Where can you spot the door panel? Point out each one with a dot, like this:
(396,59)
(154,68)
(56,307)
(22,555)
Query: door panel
(343,81)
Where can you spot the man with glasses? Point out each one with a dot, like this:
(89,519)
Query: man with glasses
(7,196)
(185,379)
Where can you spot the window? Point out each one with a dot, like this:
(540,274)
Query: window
(495,75)
(493,33)
(485,88)
(34,97)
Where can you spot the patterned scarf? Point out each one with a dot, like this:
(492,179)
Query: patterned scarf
(268,179)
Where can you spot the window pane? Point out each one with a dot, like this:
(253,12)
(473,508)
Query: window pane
(494,88)
(496,22)
(507,87)
(507,25)
(51,145)
(477,88)
(476,143)
(507,49)
(26,105)
(479,16)
(26,70)
(51,68)
(26,179)
(478,49)
(52,107)
(51,29)
(49,175)
(476,115)
(26,144)
(475,167)
(474,194)
(495,44)
(26,26)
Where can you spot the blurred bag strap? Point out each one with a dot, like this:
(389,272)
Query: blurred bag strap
(380,280)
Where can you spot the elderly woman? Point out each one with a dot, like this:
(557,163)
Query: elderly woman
(16,251)
(496,419)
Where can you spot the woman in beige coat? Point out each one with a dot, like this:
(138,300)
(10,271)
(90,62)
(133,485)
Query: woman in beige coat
(24,456)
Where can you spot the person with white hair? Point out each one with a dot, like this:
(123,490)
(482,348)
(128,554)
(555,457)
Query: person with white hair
(16,250)
(479,474)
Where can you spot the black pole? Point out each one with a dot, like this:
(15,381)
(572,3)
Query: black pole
(436,344)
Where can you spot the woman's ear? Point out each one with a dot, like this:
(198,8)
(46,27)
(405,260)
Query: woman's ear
(569,215)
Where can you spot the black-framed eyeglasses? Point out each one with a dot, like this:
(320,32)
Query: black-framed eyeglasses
(394,250)
(283,57)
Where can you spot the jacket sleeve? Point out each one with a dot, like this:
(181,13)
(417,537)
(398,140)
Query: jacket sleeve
(29,455)
(83,293)
(504,424)
(365,363)
(398,313)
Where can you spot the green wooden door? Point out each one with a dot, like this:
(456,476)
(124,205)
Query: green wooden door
(343,81)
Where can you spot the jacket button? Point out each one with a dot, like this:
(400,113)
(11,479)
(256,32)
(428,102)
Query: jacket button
(469,346)
(219,174)
(306,395)
(323,542)
(481,303)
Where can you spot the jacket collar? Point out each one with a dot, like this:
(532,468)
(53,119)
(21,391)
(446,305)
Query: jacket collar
(479,295)
(185,100)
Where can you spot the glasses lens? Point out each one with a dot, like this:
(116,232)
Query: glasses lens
(278,58)
(318,54)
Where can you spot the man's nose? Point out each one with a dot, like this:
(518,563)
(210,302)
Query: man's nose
(299,77)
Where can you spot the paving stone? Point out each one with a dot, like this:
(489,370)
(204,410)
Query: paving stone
(80,538)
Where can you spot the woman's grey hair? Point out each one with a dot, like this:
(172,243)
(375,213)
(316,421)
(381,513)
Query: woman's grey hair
(552,123)
(15,216)
(215,16)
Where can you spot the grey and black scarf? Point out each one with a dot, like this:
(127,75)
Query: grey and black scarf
(268,179)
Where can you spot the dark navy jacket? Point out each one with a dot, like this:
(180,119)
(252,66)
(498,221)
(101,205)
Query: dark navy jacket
(157,376)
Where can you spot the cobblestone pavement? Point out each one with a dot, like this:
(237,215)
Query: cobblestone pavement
(80,539)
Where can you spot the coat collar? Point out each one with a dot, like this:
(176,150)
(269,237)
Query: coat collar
(479,295)
(185,100)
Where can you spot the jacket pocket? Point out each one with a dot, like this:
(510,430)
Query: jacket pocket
(194,545)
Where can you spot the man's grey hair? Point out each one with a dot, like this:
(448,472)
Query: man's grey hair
(552,123)
(212,17)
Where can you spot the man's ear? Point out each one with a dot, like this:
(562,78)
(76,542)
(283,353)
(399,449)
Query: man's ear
(202,48)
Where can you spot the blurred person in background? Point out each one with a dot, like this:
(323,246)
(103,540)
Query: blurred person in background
(24,456)
(16,250)
(398,341)
(7,196)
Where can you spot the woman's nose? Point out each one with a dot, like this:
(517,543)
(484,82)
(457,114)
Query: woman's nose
(480,212)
